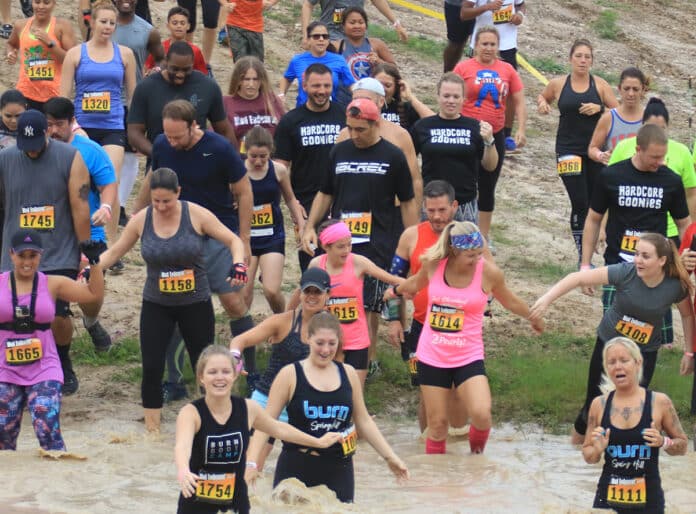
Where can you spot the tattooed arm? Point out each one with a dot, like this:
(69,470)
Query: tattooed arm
(668,419)
(78,190)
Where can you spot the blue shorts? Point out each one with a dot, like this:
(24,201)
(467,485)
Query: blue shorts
(262,400)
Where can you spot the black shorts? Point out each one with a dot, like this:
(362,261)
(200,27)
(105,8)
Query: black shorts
(210,9)
(458,31)
(509,56)
(409,347)
(445,377)
(104,137)
(356,358)
(277,247)
(373,292)
(63,307)
(335,473)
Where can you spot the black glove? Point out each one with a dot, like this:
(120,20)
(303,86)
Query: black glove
(239,272)
(85,273)
(92,249)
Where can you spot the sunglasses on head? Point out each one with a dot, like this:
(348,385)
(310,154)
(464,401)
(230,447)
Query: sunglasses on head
(319,36)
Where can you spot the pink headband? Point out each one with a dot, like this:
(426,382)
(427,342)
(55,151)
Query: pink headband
(334,233)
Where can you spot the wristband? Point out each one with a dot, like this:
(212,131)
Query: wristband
(396,23)
(489,143)
(666,442)
(585,267)
(237,356)
(252,465)
(281,95)
(106,206)
(396,293)
(689,354)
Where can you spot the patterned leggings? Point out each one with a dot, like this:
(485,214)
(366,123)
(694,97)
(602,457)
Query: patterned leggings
(43,400)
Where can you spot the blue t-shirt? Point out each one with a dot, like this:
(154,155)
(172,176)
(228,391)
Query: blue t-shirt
(205,173)
(340,72)
(101,173)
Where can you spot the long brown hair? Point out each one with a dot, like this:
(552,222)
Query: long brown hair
(673,267)
(265,90)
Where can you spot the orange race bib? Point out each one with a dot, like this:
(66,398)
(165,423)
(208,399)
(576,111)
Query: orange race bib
(40,69)
(359,224)
(19,352)
(626,492)
(97,102)
(39,217)
(181,281)
(638,331)
(262,220)
(344,308)
(629,240)
(215,487)
(569,164)
(349,443)
(338,15)
(413,365)
(502,15)
(446,319)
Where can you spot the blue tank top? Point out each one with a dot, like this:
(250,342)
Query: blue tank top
(357,58)
(317,412)
(98,88)
(267,226)
(620,129)
(630,477)
(175,265)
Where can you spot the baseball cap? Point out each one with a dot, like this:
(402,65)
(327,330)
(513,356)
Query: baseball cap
(26,240)
(363,109)
(369,84)
(31,131)
(315,277)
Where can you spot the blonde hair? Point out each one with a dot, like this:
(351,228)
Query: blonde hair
(486,29)
(606,385)
(442,247)
(104,5)
(207,353)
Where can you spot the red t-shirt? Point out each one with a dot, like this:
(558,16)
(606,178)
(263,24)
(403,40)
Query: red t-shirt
(245,114)
(487,88)
(198,59)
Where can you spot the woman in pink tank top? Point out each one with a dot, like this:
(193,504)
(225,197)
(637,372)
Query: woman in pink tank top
(450,348)
(347,270)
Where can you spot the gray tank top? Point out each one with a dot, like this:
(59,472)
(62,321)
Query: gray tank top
(36,196)
(175,272)
(135,36)
(620,129)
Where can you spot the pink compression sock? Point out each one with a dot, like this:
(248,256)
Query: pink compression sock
(478,439)
(435,446)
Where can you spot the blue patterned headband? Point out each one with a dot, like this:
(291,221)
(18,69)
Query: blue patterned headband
(467,241)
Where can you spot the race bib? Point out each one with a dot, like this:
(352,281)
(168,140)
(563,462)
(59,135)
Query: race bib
(40,217)
(40,69)
(413,365)
(638,331)
(98,102)
(629,240)
(569,165)
(182,281)
(344,308)
(19,352)
(338,15)
(626,492)
(359,224)
(262,220)
(349,443)
(446,319)
(503,15)
(215,488)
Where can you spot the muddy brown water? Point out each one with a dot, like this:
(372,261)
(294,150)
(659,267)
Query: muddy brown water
(522,471)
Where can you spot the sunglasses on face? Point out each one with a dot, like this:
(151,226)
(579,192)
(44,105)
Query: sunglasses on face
(317,37)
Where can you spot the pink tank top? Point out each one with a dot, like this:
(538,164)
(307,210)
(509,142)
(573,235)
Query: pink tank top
(346,303)
(27,359)
(452,334)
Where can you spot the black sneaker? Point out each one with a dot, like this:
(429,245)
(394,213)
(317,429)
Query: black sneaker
(100,337)
(117,268)
(122,218)
(5,31)
(172,392)
(27,8)
(70,382)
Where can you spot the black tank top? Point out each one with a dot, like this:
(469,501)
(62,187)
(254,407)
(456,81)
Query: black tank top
(575,129)
(630,477)
(289,350)
(219,453)
(318,412)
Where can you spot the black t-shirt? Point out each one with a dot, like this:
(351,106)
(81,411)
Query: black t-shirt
(153,93)
(363,183)
(451,150)
(638,202)
(404,114)
(305,138)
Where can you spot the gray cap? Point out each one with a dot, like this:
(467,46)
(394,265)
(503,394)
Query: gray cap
(369,84)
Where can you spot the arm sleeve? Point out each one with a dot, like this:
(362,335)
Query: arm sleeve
(104,174)
(619,273)
(283,140)
(234,167)
(217,108)
(515,80)
(290,73)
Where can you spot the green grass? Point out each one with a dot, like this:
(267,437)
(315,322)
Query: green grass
(547,272)
(605,25)
(548,65)
(423,46)
(610,77)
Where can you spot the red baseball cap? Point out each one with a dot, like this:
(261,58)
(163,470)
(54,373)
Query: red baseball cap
(363,109)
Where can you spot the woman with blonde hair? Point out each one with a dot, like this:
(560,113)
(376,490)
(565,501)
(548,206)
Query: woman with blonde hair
(626,425)
(450,348)
(645,290)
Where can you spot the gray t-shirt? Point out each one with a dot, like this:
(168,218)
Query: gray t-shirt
(36,196)
(638,310)
(332,14)
(135,35)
